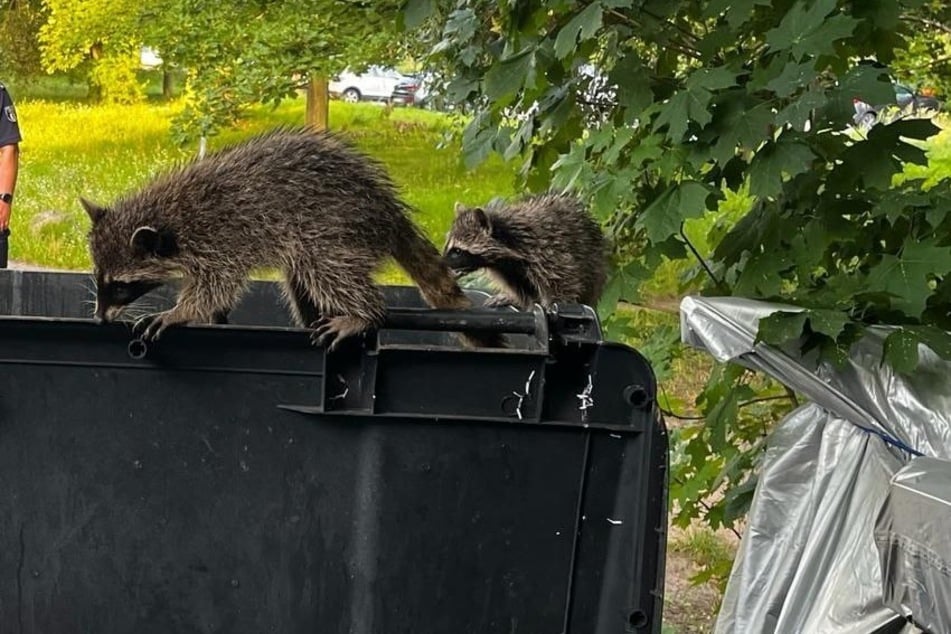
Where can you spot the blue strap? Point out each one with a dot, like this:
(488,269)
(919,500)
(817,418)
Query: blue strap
(891,441)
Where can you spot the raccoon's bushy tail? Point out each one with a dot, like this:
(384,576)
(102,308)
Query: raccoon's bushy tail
(416,254)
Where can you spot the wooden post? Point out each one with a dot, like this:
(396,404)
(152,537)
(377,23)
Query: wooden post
(318,103)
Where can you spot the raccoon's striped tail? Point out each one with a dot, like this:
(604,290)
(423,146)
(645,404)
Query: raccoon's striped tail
(417,255)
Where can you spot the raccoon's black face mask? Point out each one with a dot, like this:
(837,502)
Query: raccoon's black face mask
(113,296)
(462,262)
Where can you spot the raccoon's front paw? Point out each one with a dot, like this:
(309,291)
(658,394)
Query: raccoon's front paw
(498,301)
(336,329)
(150,327)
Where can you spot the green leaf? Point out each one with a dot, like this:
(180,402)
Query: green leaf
(415,12)
(901,351)
(585,25)
(689,104)
(893,204)
(622,284)
(828,322)
(739,121)
(907,276)
(797,113)
(737,501)
(477,140)
(773,162)
(716,78)
(720,418)
(762,274)
(805,29)
(782,326)
(633,86)
(938,340)
(738,12)
(647,149)
(506,78)
(663,217)
(868,83)
(821,42)
(793,78)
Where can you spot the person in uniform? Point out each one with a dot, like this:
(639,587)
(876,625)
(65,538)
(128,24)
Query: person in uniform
(9,165)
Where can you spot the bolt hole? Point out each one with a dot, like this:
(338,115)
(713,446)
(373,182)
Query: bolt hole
(637,619)
(637,396)
(137,349)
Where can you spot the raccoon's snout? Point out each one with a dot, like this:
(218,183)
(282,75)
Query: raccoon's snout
(105,314)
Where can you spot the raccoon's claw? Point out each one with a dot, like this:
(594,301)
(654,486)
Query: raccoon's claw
(339,328)
(150,327)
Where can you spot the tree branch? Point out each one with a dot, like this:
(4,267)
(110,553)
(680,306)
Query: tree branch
(719,283)
(792,396)
(690,36)
(681,47)
(927,22)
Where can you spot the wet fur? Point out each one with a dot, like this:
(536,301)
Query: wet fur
(542,248)
(298,200)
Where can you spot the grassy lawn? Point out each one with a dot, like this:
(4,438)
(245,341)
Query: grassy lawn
(72,150)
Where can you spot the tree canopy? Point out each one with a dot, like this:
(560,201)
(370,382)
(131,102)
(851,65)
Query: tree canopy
(655,110)
(232,53)
(249,51)
(718,133)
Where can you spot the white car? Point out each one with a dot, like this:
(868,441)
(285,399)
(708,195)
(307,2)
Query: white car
(376,84)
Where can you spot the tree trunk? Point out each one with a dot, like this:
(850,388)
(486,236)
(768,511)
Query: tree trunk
(95,88)
(166,84)
(318,103)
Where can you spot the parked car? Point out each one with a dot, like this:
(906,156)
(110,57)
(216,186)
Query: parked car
(376,84)
(421,91)
(907,102)
(409,92)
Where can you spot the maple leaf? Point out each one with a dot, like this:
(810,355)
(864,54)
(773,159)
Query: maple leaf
(907,277)
(773,162)
(663,217)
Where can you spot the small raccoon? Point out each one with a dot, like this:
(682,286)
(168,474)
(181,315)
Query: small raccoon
(299,200)
(542,248)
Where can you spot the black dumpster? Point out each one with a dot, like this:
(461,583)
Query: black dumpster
(234,478)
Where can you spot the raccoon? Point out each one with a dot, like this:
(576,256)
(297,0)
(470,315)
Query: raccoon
(542,248)
(295,199)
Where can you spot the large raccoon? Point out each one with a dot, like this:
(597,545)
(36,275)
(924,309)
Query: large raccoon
(296,199)
(542,248)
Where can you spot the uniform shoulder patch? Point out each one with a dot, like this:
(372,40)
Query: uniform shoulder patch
(10,113)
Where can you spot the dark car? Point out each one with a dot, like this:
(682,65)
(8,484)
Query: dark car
(404,93)
(907,102)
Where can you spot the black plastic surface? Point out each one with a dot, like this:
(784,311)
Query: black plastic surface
(236,479)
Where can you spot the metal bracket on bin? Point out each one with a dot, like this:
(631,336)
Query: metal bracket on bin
(384,380)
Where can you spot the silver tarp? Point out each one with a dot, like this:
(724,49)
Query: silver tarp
(808,560)
(914,543)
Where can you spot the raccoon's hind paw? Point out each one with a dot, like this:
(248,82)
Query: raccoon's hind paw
(151,327)
(336,329)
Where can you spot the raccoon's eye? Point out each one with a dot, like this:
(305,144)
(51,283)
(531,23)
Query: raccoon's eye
(455,251)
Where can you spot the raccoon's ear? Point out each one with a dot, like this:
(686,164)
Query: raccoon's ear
(96,212)
(458,208)
(151,241)
(482,219)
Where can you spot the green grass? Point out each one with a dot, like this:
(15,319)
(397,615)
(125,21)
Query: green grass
(71,149)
